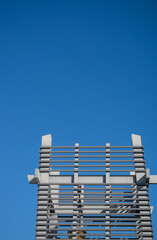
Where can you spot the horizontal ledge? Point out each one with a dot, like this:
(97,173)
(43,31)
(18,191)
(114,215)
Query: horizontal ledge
(95,170)
(108,151)
(85,183)
(94,229)
(92,156)
(95,193)
(97,224)
(95,161)
(92,215)
(95,238)
(90,199)
(123,219)
(81,166)
(98,234)
(84,188)
(133,147)
(127,208)
(94,204)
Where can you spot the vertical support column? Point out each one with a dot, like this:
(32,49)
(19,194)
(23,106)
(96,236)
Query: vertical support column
(108,191)
(142,191)
(81,201)
(43,188)
(137,222)
(53,193)
(75,197)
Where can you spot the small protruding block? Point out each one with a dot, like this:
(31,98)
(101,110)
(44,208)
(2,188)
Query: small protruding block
(34,179)
(153,179)
(46,140)
(136,140)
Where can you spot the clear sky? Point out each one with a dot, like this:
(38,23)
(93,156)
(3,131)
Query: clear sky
(84,71)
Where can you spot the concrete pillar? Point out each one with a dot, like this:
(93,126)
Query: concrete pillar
(145,230)
(43,190)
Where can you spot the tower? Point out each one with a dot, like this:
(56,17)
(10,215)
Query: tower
(93,192)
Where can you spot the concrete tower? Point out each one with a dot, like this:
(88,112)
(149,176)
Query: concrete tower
(93,192)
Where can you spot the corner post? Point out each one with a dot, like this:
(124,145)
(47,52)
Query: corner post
(145,231)
(43,188)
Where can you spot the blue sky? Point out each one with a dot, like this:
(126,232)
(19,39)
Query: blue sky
(84,71)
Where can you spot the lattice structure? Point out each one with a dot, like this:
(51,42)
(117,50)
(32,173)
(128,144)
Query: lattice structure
(98,192)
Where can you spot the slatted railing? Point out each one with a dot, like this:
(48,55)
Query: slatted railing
(91,161)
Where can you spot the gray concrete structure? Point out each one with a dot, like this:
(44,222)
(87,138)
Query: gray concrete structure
(93,192)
